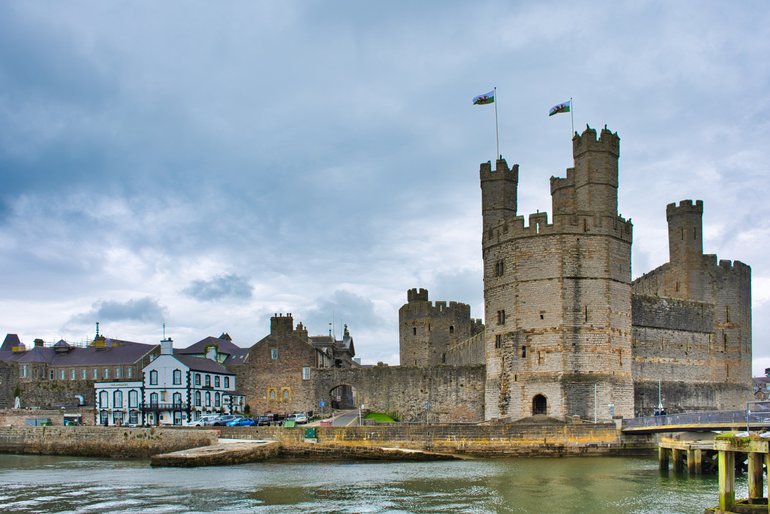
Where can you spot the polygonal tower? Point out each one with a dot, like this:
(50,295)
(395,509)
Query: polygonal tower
(557,296)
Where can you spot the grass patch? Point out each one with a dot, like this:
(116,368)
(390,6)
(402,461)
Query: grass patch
(380,417)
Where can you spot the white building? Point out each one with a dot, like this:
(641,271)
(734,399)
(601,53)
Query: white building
(175,389)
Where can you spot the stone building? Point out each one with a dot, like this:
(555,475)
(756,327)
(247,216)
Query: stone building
(62,374)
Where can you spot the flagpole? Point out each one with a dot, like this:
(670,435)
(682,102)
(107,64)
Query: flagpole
(572,117)
(497,131)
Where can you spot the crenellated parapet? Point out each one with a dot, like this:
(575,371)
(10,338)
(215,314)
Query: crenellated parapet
(608,141)
(417,295)
(685,207)
(538,226)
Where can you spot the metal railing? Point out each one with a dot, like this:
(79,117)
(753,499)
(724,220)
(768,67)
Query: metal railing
(756,413)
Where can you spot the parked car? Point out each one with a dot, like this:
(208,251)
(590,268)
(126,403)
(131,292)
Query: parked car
(203,421)
(224,419)
(245,422)
(299,418)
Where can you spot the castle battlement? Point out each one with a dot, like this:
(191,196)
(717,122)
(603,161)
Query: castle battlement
(684,207)
(419,305)
(608,141)
(501,171)
(734,266)
(514,228)
(562,182)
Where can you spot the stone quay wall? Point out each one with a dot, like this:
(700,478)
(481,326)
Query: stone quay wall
(474,440)
(101,441)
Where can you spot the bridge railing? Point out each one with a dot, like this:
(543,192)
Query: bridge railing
(755,413)
(688,418)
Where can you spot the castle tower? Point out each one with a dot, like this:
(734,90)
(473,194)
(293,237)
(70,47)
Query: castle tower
(557,296)
(426,331)
(498,192)
(685,250)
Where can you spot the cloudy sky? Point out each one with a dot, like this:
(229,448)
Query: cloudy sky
(209,164)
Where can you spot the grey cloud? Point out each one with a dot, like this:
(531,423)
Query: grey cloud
(220,287)
(142,309)
(342,307)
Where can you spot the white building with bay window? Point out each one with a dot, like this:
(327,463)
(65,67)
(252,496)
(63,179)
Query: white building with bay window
(175,389)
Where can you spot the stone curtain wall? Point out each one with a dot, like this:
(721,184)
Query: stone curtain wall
(18,418)
(9,378)
(55,393)
(453,393)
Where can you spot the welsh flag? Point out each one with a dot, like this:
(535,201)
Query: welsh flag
(563,107)
(486,98)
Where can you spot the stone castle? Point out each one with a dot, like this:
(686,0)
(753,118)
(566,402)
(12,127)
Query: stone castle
(566,331)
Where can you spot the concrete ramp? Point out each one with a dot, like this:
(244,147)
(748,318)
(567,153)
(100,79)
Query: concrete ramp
(224,453)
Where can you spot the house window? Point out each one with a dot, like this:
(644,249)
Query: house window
(133,418)
(272,394)
(498,341)
(61,374)
(274,353)
(106,373)
(133,399)
(197,398)
(73,374)
(208,399)
(208,380)
(117,399)
(118,372)
(227,382)
(216,382)
(501,317)
(198,379)
(285,395)
(306,373)
(177,377)
(95,374)
(154,377)
(24,371)
(177,400)
(217,401)
(104,400)
(84,373)
(154,399)
(50,375)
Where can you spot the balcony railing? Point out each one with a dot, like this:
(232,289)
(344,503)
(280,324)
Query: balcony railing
(155,407)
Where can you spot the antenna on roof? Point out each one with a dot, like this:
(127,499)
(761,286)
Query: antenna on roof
(97,330)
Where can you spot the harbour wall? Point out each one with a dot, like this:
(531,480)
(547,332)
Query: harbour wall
(101,441)
(473,440)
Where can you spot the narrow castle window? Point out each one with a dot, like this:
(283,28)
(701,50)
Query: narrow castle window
(694,233)
(523,352)
(539,358)
(414,331)
(542,314)
(501,317)
(499,268)
(451,329)
(727,313)
(586,314)
(498,341)
(682,233)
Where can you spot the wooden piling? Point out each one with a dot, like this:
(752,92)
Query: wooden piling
(726,480)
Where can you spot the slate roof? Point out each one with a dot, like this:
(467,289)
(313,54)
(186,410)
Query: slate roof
(115,352)
(202,364)
(10,341)
(235,354)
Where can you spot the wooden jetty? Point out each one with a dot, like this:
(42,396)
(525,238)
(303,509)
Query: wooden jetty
(755,447)
(692,452)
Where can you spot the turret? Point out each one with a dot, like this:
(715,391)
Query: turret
(498,192)
(596,172)
(685,233)
(415,295)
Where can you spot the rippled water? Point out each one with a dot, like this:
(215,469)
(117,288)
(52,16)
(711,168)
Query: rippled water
(595,485)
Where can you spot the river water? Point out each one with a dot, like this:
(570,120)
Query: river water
(549,485)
